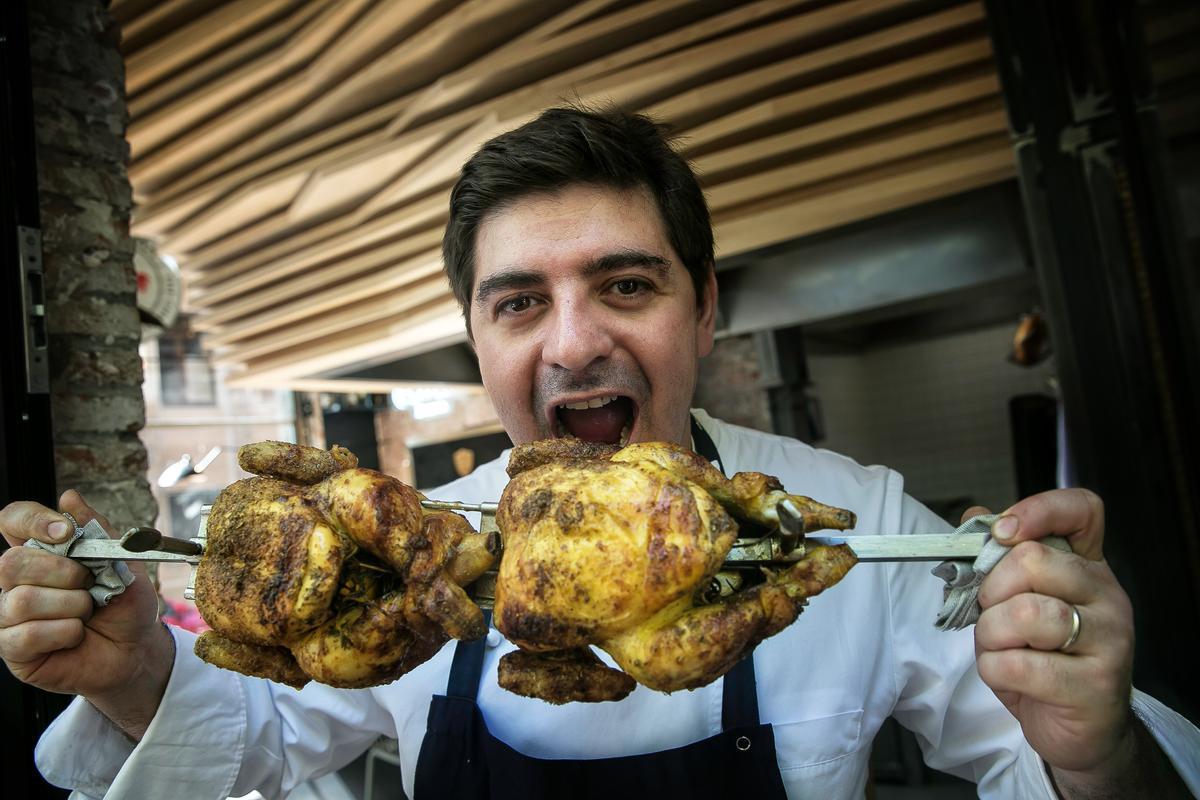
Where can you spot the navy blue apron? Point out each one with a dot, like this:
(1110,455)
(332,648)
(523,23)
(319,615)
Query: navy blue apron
(461,760)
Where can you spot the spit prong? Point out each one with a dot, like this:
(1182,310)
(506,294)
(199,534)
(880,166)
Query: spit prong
(791,525)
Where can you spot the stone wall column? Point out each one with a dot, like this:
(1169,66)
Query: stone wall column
(85,200)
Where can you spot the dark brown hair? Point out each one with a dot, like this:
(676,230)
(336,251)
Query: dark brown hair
(569,146)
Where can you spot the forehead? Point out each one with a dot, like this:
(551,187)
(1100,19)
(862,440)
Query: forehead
(568,227)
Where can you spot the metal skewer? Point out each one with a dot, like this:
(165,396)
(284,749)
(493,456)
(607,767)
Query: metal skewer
(187,551)
(783,547)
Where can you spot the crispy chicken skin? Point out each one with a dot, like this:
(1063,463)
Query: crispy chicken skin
(610,548)
(563,676)
(318,569)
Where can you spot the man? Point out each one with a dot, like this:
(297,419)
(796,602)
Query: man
(580,248)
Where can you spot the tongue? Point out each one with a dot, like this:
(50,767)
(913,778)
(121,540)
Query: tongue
(602,424)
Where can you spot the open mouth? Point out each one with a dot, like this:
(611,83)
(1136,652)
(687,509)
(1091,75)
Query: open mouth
(606,419)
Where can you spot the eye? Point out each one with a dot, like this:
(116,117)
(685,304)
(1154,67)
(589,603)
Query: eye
(515,305)
(629,287)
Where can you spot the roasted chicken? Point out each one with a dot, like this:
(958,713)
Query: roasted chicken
(613,547)
(318,569)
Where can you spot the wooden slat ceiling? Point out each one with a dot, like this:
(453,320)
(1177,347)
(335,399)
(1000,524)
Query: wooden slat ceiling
(295,156)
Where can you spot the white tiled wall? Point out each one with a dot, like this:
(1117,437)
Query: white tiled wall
(935,410)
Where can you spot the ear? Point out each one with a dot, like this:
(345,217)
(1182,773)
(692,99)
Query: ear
(706,310)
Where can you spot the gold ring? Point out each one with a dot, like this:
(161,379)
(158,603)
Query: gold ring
(1076,624)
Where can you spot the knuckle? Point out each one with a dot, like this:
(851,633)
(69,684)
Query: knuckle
(984,628)
(10,562)
(1013,669)
(21,642)
(1030,555)
(1025,609)
(1092,500)
(1056,610)
(18,603)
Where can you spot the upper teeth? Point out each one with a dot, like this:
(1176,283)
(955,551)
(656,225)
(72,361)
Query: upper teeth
(595,402)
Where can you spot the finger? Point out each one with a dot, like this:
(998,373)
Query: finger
(1077,514)
(73,503)
(1031,620)
(26,519)
(973,511)
(29,641)
(1034,567)
(25,566)
(25,603)
(1049,677)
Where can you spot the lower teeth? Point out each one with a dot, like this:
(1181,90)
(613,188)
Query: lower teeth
(625,434)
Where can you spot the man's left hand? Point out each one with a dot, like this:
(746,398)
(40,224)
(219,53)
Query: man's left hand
(1073,702)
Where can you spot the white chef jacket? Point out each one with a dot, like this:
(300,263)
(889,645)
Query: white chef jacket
(864,650)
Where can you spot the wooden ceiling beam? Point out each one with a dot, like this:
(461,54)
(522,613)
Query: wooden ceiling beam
(219,231)
(737,159)
(324,244)
(380,281)
(853,198)
(282,49)
(921,137)
(352,53)
(315,290)
(298,163)
(673,70)
(224,62)
(331,323)
(555,46)
(211,32)
(435,325)
(143,23)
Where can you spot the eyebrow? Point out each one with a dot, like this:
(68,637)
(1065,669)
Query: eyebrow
(516,278)
(506,280)
(623,259)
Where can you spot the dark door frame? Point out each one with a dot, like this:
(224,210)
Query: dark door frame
(26,443)
(1120,301)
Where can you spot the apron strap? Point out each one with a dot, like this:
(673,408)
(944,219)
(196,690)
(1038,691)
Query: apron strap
(739,700)
(705,445)
(467,668)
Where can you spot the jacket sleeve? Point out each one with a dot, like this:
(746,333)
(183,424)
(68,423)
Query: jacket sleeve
(961,726)
(216,734)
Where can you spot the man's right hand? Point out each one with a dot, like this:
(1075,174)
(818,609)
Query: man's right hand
(52,636)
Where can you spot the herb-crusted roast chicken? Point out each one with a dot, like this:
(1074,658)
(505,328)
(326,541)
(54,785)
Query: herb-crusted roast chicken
(318,569)
(611,547)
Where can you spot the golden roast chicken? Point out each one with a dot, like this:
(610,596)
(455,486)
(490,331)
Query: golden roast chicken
(612,547)
(318,569)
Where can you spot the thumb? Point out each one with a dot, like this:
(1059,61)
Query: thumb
(973,511)
(22,520)
(1077,514)
(73,503)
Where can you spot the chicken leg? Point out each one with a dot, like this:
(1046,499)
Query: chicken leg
(716,637)
(750,496)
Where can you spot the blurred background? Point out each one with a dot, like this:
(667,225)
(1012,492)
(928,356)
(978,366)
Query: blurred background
(956,238)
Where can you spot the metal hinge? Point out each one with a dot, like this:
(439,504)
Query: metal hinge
(33,310)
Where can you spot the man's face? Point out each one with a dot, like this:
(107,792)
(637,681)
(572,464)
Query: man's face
(579,299)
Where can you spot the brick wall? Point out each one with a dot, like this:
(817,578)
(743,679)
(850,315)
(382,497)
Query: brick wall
(85,200)
(728,385)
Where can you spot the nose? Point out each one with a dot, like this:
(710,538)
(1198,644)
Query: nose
(576,335)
